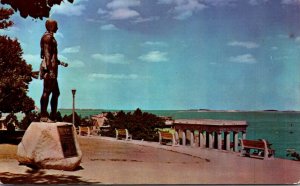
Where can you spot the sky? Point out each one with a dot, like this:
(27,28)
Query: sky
(172,54)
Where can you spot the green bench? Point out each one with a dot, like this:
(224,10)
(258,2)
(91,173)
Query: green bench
(165,137)
(123,134)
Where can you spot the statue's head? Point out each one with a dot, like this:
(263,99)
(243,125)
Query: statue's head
(51,25)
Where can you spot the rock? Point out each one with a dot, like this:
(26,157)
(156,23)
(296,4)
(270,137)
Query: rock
(41,147)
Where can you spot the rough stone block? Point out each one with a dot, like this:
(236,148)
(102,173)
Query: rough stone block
(41,146)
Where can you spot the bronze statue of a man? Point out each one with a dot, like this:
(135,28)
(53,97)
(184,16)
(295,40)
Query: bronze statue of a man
(49,71)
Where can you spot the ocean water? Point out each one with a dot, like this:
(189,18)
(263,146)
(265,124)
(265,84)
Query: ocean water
(281,129)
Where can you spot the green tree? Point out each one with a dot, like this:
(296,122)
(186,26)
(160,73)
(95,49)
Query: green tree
(15,76)
(5,14)
(69,119)
(33,8)
(59,117)
(28,119)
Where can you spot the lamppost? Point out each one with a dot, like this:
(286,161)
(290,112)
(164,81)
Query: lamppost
(73,110)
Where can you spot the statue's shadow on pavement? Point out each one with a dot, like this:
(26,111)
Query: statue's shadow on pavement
(39,176)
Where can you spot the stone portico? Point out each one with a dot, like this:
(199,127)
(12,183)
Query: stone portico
(211,133)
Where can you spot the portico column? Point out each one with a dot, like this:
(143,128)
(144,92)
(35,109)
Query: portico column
(192,138)
(176,138)
(227,140)
(197,139)
(183,138)
(210,136)
(204,139)
(244,134)
(215,140)
(236,140)
(219,141)
(201,139)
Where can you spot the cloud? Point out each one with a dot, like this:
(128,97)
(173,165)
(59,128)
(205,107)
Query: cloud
(297,39)
(69,9)
(186,8)
(154,56)
(71,50)
(123,10)
(92,20)
(112,76)
(143,20)
(165,1)
(246,58)
(59,34)
(76,64)
(116,4)
(291,2)
(110,58)
(257,2)
(120,9)
(123,13)
(72,63)
(183,9)
(220,2)
(249,45)
(63,58)
(101,11)
(108,27)
(155,44)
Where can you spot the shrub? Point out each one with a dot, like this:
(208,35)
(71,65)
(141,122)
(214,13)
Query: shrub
(140,125)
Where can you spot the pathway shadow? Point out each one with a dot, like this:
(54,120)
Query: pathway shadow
(40,177)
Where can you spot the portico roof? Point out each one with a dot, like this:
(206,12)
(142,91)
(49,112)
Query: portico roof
(210,122)
(211,125)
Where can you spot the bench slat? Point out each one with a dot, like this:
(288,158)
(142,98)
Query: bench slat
(253,144)
(121,132)
(166,135)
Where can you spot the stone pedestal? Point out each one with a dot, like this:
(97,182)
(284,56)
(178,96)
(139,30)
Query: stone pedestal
(50,146)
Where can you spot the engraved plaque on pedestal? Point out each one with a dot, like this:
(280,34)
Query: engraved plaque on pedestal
(67,140)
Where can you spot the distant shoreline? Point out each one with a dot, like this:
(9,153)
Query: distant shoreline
(194,110)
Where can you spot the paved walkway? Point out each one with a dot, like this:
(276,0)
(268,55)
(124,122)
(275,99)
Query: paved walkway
(110,161)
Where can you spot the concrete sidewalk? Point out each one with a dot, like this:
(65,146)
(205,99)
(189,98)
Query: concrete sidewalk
(235,168)
(110,161)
